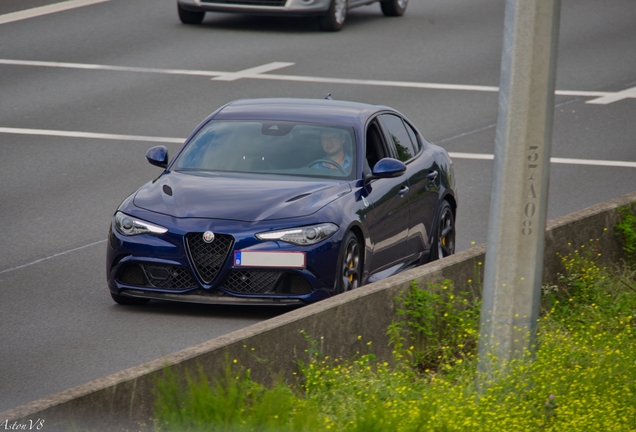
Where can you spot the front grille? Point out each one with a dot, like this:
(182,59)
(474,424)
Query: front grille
(251,282)
(156,276)
(208,258)
(275,3)
(266,282)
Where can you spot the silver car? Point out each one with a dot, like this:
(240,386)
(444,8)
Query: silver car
(331,13)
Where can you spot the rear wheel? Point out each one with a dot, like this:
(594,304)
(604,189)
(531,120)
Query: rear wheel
(128,301)
(190,17)
(335,17)
(350,265)
(393,7)
(444,241)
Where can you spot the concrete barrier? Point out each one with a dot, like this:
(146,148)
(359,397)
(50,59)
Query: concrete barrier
(124,401)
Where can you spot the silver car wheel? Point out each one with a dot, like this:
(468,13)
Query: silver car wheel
(393,8)
(340,11)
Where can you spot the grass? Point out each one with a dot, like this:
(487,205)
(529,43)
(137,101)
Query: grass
(626,230)
(580,377)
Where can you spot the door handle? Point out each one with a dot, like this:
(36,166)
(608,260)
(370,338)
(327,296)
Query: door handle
(403,190)
(432,175)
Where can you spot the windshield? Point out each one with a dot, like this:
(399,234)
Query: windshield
(286,148)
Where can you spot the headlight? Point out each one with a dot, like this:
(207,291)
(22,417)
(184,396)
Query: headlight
(303,236)
(128,225)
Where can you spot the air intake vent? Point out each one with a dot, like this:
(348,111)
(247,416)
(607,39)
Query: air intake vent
(156,276)
(251,282)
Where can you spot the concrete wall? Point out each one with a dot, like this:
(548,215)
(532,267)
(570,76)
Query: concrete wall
(123,401)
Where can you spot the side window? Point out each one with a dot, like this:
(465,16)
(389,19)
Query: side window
(398,136)
(416,142)
(375,148)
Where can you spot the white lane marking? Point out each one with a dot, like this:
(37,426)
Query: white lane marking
(607,163)
(110,68)
(256,73)
(454,155)
(463,134)
(90,135)
(614,97)
(404,84)
(45,10)
(580,93)
(251,72)
(52,256)
(568,161)
(475,156)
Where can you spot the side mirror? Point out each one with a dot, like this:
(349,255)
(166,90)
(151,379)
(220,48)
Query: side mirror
(387,168)
(158,156)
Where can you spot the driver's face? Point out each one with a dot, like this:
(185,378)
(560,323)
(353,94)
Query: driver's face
(332,142)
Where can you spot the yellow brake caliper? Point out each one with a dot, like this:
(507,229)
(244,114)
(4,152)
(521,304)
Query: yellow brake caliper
(351,275)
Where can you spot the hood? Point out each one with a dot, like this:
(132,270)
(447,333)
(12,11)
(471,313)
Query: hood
(243,199)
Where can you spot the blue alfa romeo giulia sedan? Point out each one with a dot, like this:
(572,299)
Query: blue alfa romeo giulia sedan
(281,202)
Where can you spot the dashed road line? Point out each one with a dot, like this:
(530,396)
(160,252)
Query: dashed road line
(251,72)
(52,256)
(614,97)
(45,10)
(258,72)
(463,134)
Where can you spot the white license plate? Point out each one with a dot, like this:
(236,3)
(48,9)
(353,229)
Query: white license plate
(269,259)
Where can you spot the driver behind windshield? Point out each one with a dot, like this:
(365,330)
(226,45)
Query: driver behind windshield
(332,142)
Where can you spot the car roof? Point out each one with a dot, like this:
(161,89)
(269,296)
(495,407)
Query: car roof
(325,111)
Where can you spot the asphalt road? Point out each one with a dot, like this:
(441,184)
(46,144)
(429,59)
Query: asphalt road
(58,325)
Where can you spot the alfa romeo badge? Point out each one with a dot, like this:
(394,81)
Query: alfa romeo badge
(208,236)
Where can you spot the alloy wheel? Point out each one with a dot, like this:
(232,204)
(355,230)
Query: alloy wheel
(350,265)
(446,233)
(340,11)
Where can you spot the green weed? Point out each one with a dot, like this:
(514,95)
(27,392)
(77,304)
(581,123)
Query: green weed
(626,229)
(581,376)
(439,323)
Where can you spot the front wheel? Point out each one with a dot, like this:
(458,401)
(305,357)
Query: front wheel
(444,240)
(335,17)
(190,17)
(349,265)
(393,7)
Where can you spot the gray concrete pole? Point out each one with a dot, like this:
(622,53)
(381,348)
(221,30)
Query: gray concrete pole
(518,208)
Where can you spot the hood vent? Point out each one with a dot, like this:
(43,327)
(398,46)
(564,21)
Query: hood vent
(298,197)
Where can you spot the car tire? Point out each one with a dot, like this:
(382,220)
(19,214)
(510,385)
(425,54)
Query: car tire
(349,270)
(394,8)
(190,17)
(128,301)
(444,240)
(335,17)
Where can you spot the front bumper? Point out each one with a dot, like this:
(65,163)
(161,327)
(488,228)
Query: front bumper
(176,266)
(210,298)
(259,7)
